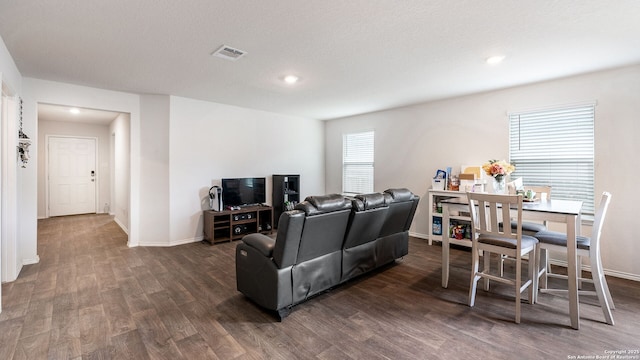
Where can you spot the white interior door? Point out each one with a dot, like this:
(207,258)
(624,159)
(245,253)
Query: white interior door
(72,176)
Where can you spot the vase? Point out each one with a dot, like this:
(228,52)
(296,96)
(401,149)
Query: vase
(499,185)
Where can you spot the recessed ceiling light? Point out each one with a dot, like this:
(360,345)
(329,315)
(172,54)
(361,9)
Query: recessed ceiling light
(495,59)
(74,111)
(291,79)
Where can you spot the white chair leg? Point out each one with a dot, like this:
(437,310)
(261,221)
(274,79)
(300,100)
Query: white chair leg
(539,270)
(518,284)
(475,260)
(579,272)
(608,293)
(604,284)
(599,282)
(532,266)
(445,261)
(487,268)
(544,265)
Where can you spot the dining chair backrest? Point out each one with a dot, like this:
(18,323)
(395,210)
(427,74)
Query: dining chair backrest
(514,185)
(488,211)
(539,190)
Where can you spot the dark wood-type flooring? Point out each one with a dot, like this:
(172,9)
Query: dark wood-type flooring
(92,297)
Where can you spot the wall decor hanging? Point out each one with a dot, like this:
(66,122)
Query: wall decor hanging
(23,142)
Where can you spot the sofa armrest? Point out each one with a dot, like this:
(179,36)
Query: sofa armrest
(260,242)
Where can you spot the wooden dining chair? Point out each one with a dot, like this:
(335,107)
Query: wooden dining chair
(528,227)
(587,247)
(487,212)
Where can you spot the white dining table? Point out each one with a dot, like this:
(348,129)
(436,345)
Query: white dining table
(554,210)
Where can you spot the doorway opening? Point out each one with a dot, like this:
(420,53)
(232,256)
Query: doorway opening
(72,179)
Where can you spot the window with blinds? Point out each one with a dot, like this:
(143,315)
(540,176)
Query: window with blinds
(556,147)
(357,163)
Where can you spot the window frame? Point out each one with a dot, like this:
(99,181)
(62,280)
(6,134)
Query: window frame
(358,162)
(559,150)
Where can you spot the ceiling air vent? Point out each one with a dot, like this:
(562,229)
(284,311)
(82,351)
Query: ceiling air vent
(229,53)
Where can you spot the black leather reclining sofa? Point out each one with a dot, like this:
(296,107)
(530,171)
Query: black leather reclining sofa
(325,241)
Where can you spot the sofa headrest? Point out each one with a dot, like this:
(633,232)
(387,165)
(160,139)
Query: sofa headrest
(314,205)
(400,194)
(369,201)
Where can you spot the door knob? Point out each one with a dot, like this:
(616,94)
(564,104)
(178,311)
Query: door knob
(93,173)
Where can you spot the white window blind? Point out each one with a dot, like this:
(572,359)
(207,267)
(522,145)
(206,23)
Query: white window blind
(556,147)
(357,163)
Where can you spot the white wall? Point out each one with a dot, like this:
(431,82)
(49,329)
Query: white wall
(101,132)
(10,263)
(120,177)
(154,162)
(10,85)
(11,76)
(210,141)
(11,175)
(414,141)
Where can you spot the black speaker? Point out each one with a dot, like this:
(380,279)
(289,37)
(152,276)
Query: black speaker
(246,216)
(239,229)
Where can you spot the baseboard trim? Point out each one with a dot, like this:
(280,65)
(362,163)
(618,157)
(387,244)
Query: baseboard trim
(186,241)
(173,243)
(31,261)
(124,228)
(419,235)
(614,273)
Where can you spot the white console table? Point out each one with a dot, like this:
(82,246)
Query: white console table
(434,196)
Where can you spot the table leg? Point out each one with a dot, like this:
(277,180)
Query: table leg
(572,269)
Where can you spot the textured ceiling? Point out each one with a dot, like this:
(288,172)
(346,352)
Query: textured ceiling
(52,112)
(353,56)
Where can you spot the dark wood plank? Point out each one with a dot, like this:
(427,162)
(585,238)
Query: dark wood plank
(94,329)
(15,300)
(9,336)
(117,312)
(38,318)
(129,345)
(194,347)
(178,326)
(65,328)
(33,347)
(212,331)
(155,336)
(105,277)
(88,290)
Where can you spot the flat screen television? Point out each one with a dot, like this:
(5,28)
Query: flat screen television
(243,191)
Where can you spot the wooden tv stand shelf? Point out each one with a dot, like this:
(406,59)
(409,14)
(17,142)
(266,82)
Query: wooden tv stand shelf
(229,225)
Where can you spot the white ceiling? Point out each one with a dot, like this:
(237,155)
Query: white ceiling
(52,112)
(353,56)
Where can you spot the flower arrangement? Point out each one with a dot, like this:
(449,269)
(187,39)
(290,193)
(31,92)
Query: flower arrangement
(498,169)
